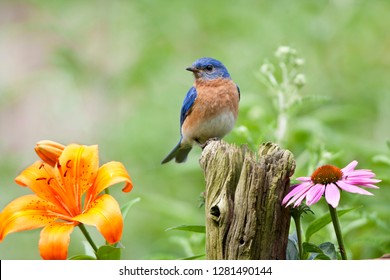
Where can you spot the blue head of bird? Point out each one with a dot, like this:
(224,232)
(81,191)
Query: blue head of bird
(207,68)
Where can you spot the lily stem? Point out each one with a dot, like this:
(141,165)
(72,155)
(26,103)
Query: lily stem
(337,229)
(88,237)
(297,220)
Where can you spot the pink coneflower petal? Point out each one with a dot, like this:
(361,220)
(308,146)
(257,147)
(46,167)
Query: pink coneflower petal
(332,195)
(297,192)
(329,180)
(314,194)
(371,186)
(349,167)
(304,179)
(364,173)
(361,181)
(296,189)
(351,188)
(299,200)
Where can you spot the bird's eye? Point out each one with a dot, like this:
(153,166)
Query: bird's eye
(209,68)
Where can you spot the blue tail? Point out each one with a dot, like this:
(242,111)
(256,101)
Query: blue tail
(179,153)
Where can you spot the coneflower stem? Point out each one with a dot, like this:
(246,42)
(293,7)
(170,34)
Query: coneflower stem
(337,229)
(88,237)
(297,220)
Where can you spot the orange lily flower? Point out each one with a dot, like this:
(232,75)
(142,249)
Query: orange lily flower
(49,151)
(67,192)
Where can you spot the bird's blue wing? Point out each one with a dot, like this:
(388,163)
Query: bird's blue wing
(239,92)
(187,104)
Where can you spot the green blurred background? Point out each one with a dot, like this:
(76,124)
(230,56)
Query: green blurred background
(112,73)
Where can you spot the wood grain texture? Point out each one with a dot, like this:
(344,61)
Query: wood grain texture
(244,190)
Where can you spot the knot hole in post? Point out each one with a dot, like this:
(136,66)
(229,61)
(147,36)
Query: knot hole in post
(215,213)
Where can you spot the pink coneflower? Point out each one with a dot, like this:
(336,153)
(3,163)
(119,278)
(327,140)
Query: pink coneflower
(329,180)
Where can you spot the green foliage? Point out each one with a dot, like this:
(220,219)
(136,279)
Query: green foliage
(324,251)
(126,206)
(114,75)
(107,252)
(82,257)
(200,229)
(292,252)
(186,244)
(194,257)
(321,222)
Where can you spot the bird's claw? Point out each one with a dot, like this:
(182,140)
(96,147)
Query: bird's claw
(209,141)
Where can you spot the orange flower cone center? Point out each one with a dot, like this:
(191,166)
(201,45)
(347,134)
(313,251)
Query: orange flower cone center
(326,174)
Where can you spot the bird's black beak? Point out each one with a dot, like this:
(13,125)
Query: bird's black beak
(192,69)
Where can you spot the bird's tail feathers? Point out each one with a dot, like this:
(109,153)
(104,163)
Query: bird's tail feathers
(179,153)
(182,153)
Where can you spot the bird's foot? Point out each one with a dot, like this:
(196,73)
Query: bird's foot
(203,145)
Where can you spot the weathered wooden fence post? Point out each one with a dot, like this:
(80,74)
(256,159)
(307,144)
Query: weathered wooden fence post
(244,216)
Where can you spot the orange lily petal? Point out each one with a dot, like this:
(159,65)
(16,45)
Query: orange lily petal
(77,169)
(112,173)
(49,151)
(79,165)
(40,178)
(104,213)
(25,213)
(54,241)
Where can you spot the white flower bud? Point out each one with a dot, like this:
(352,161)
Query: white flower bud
(282,51)
(300,80)
(267,68)
(299,61)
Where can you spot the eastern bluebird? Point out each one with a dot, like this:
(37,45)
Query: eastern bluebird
(209,109)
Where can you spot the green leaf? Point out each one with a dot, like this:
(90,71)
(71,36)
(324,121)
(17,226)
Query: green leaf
(292,252)
(194,228)
(82,257)
(314,252)
(325,251)
(321,222)
(384,159)
(329,250)
(321,257)
(311,248)
(126,207)
(107,252)
(194,257)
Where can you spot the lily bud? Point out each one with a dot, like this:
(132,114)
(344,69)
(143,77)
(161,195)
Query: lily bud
(49,151)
